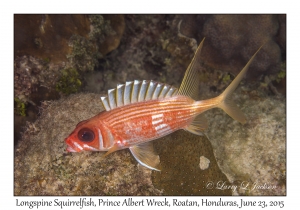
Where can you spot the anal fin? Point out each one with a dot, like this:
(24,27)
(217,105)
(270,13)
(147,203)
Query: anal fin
(145,155)
(198,125)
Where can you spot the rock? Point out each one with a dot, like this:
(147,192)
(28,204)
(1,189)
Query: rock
(47,36)
(181,175)
(233,39)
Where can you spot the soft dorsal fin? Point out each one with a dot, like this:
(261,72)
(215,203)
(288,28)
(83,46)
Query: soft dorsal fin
(136,91)
(190,83)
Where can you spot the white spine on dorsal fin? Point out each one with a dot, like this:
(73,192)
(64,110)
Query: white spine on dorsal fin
(157,90)
(120,94)
(111,94)
(164,91)
(142,91)
(135,91)
(150,90)
(105,103)
(172,91)
(127,92)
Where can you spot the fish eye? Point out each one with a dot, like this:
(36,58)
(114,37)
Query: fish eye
(86,135)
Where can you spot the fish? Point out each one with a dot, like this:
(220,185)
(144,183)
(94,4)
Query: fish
(140,111)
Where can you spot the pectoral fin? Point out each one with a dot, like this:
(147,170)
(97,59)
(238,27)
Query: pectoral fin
(144,154)
(111,150)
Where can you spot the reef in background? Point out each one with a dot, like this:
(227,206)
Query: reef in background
(47,45)
(53,52)
(127,47)
(160,47)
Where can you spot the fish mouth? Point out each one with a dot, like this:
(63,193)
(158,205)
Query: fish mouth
(70,149)
(72,146)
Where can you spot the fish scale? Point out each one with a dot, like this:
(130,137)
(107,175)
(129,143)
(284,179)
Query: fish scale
(144,112)
(145,108)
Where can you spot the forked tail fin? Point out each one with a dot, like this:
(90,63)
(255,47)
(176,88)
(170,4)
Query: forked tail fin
(225,100)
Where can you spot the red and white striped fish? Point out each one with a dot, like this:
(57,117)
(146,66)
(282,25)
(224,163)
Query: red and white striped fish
(140,111)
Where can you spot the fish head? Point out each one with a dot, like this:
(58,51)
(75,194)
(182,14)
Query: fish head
(83,138)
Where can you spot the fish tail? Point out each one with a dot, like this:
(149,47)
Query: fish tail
(224,100)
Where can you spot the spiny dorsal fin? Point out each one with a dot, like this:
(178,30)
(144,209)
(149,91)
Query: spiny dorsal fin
(136,91)
(190,83)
